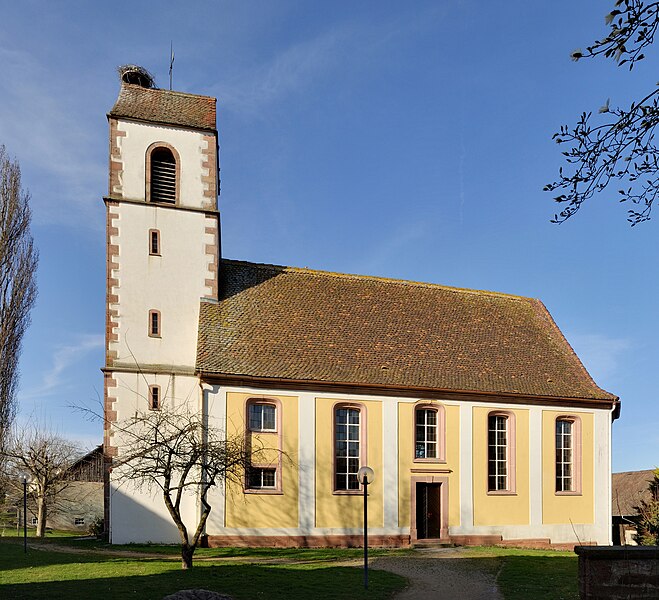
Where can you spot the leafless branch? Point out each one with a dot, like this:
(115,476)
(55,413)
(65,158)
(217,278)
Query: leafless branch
(617,143)
(632,27)
(174,451)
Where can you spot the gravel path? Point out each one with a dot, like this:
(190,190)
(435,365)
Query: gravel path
(440,574)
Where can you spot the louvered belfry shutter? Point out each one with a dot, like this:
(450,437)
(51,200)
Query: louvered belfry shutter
(163,176)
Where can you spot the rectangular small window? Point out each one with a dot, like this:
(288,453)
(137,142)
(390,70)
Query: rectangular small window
(346,448)
(262,417)
(497,453)
(34,521)
(78,521)
(261,478)
(154,397)
(154,323)
(154,242)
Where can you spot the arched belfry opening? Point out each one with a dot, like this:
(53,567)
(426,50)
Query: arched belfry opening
(163,176)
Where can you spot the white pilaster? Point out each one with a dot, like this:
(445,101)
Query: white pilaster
(214,400)
(535,465)
(466,468)
(602,474)
(307,462)
(390,462)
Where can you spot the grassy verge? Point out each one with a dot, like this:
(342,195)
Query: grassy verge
(524,574)
(51,574)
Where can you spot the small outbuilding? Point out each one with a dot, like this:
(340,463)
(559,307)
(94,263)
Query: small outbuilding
(628,489)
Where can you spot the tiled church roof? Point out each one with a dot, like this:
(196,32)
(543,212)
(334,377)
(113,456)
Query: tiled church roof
(164,106)
(299,324)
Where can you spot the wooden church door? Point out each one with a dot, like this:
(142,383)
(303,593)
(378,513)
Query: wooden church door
(428,514)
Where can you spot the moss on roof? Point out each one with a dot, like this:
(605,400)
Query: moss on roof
(291,323)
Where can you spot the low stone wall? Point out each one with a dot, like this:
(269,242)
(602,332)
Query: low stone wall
(618,572)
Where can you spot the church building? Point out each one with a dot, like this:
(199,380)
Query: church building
(477,417)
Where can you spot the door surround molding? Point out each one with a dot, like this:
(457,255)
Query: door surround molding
(443,504)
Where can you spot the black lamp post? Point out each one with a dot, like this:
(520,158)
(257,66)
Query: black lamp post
(365,475)
(25,514)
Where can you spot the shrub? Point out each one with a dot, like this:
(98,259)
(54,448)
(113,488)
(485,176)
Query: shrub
(647,531)
(97,527)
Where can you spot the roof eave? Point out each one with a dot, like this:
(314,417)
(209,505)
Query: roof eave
(410,391)
(114,115)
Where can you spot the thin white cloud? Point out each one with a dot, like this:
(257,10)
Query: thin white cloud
(41,125)
(378,256)
(297,66)
(64,357)
(601,354)
(349,46)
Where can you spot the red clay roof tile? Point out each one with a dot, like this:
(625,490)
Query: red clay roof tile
(283,322)
(165,106)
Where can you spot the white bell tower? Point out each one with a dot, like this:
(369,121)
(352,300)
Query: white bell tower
(163,250)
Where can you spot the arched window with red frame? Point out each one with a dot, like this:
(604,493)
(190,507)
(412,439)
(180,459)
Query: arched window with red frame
(568,454)
(349,446)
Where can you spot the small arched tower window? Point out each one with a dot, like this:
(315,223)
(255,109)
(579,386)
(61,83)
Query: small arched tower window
(162,180)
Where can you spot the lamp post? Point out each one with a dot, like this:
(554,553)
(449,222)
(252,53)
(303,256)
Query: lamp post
(25,514)
(365,475)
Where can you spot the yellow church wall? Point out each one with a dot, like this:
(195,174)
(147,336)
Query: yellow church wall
(406,462)
(566,507)
(265,508)
(501,508)
(336,509)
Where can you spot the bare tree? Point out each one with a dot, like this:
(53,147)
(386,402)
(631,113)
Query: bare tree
(18,288)
(176,452)
(617,144)
(43,458)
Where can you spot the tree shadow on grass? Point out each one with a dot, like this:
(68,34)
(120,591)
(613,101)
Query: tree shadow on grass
(12,556)
(155,580)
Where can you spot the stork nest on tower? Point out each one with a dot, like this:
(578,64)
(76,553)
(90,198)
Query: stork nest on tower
(136,75)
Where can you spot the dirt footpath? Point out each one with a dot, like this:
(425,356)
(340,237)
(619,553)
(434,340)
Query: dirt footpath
(440,574)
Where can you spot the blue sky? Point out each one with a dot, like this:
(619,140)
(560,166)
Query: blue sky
(407,140)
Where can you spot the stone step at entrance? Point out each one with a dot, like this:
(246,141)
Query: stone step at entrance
(433,543)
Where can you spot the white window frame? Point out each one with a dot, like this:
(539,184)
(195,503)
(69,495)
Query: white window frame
(261,427)
(504,455)
(424,442)
(561,487)
(261,472)
(345,479)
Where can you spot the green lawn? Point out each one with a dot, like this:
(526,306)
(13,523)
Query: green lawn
(52,574)
(533,574)
(247,573)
